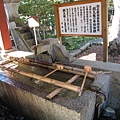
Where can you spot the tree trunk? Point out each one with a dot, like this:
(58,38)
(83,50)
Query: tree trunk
(114,37)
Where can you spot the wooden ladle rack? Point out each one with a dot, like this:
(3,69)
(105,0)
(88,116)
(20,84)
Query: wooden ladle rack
(87,72)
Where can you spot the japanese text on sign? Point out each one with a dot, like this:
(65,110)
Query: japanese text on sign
(81,19)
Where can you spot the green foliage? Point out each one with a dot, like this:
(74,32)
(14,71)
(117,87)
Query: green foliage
(45,10)
(42,8)
(110,3)
(72,43)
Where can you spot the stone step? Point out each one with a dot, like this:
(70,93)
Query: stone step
(23,29)
(30,42)
(27,35)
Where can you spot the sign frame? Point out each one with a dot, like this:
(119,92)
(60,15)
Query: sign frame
(104,24)
(82,2)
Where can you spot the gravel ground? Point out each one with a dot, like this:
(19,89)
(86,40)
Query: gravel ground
(96,52)
(8,114)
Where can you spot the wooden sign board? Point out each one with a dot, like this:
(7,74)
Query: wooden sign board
(81,18)
(32,22)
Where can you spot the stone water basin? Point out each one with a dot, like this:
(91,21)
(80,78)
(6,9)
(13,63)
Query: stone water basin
(46,87)
(29,97)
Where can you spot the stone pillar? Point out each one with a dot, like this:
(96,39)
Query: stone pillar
(12,10)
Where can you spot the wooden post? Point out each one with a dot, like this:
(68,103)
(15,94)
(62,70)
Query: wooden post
(35,36)
(60,39)
(105,30)
(57,24)
(4,28)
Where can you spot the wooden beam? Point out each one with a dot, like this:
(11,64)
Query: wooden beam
(63,70)
(105,30)
(75,69)
(67,69)
(56,91)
